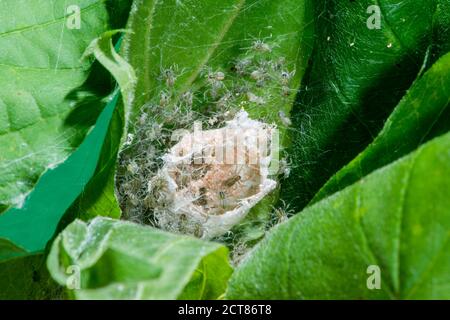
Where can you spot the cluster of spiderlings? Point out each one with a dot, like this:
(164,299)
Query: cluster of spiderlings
(252,80)
(151,135)
(257,79)
(149,138)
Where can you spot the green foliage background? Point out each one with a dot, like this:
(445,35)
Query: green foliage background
(368,147)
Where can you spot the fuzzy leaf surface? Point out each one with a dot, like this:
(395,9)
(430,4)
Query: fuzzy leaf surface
(122,260)
(420,116)
(357,77)
(396,218)
(39,67)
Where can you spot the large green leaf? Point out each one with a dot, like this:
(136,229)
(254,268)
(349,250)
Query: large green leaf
(99,198)
(215,36)
(397,218)
(357,76)
(29,228)
(421,115)
(122,260)
(39,67)
(26,230)
(194,35)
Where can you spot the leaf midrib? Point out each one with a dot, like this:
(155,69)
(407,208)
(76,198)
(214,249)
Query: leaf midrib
(401,217)
(148,32)
(212,49)
(366,244)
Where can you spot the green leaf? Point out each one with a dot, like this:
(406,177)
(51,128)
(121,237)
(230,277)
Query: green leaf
(103,49)
(27,278)
(99,196)
(39,67)
(122,260)
(192,37)
(419,117)
(442,27)
(9,250)
(358,75)
(26,230)
(83,176)
(396,218)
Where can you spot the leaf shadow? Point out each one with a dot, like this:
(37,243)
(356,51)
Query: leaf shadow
(358,125)
(88,99)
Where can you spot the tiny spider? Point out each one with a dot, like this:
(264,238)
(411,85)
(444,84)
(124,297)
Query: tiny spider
(284,167)
(286,77)
(255,99)
(215,81)
(224,100)
(143,118)
(214,76)
(279,63)
(130,139)
(260,46)
(222,198)
(230,182)
(284,119)
(164,99)
(285,91)
(220,76)
(169,75)
(258,74)
(133,167)
(187,98)
(241,66)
